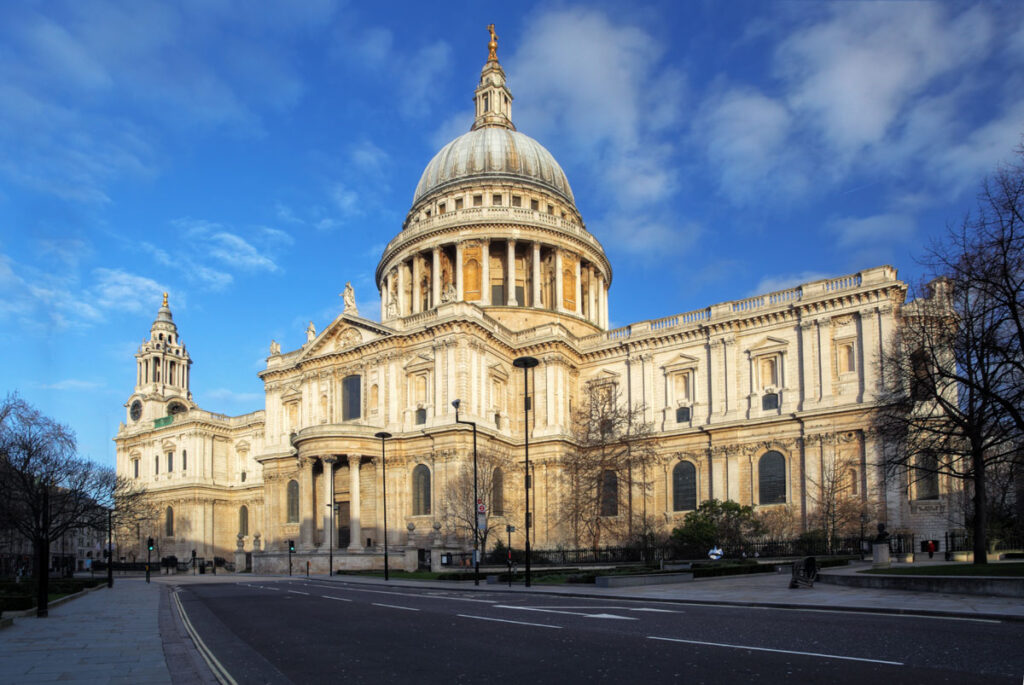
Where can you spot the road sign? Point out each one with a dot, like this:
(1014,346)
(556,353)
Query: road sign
(481,508)
(481,522)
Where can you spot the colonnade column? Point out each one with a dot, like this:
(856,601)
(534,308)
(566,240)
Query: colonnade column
(356,532)
(595,296)
(485,272)
(602,308)
(459,290)
(559,299)
(402,309)
(511,261)
(328,496)
(579,287)
(535,278)
(416,277)
(307,523)
(435,277)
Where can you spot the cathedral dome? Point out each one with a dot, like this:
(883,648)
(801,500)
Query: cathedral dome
(493,153)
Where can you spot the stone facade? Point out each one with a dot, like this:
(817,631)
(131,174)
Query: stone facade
(494,262)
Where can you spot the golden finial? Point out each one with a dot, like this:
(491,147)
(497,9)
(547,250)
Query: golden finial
(492,47)
(165,299)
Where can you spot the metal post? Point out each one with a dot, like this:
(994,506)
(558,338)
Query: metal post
(474,518)
(43,556)
(526,363)
(384,491)
(510,529)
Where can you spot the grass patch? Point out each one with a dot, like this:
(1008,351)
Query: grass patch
(1011,570)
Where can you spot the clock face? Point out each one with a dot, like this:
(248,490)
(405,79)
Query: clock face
(136,410)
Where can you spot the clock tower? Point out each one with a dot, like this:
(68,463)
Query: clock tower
(162,373)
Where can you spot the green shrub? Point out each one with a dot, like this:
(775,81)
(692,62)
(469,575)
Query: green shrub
(16,602)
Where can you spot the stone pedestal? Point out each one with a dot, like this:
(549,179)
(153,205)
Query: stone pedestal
(880,555)
(240,555)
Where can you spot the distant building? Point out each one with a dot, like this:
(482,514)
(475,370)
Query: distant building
(752,400)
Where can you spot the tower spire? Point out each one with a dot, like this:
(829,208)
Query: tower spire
(492,96)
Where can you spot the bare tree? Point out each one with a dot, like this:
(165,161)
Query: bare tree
(836,507)
(48,490)
(611,458)
(493,470)
(953,376)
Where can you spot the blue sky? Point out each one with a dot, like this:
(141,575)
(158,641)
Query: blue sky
(250,158)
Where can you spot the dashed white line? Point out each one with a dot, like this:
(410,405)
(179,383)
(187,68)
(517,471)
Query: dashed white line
(296,592)
(502,620)
(393,606)
(340,599)
(778,651)
(570,613)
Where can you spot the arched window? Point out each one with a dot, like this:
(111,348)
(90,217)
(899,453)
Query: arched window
(684,487)
(243,520)
(609,494)
(420,491)
(498,493)
(293,501)
(771,478)
(169,523)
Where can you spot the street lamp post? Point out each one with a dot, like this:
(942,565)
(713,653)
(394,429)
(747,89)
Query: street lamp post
(330,536)
(383,435)
(526,363)
(476,501)
(110,549)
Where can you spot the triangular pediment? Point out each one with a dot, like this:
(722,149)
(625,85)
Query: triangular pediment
(681,363)
(291,394)
(344,333)
(768,344)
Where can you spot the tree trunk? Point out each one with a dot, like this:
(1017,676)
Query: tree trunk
(980,519)
(42,549)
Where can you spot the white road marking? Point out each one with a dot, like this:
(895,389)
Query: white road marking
(406,594)
(778,651)
(393,606)
(570,613)
(660,611)
(340,599)
(840,611)
(296,592)
(502,620)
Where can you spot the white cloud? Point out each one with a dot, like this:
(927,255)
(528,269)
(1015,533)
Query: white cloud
(125,292)
(226,395)
(72,384)
(885,229)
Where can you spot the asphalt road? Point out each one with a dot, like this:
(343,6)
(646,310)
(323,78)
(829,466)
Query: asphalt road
(319,631)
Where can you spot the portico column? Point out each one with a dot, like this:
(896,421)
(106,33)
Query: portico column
(511,260)
(602,313)
(328,495)
(435,277)
(535,268)
(559,300)
(579,287)
(356,538)
(485,272)
(384,290)
(308,524)
(417,300)
(402,310)
(458,273)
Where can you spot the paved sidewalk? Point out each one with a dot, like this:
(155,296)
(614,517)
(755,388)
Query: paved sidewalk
(106,636)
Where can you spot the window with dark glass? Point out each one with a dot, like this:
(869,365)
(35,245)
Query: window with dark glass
(169,522)
(682,414)
(497,293)
(684,487)
(609,493)
(351,401)
(184,460)
(156,464)
(170,462)
(421,416)
(927,476)
(243,520)
(135,464)
(421,491)
(498,493)
(771,470)
(293,501)
(770,401)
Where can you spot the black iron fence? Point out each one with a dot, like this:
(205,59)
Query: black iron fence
(963,541)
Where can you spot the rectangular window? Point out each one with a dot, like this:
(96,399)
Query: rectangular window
(497,294)
(517,201)
(184,460)
(350,397)
(421,416)
(156,465)
(135,464)
(458,203)
(478,200)
(534,205)
(170,462)
(496,200)
(551,210)
(441,208)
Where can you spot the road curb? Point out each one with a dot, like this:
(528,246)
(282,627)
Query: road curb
(8,620)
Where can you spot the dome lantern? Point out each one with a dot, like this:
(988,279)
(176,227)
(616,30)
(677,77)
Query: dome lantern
(492,96)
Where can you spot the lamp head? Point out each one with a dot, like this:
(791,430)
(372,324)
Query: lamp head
(383,435)
(456,403)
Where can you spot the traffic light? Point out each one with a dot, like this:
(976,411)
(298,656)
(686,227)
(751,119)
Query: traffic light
(291,546)
(149,544)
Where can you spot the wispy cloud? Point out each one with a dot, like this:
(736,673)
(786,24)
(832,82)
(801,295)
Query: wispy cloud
(72,384)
